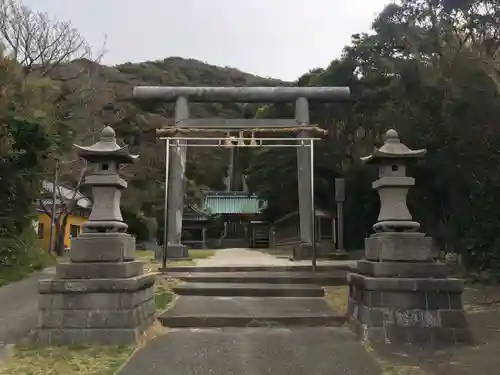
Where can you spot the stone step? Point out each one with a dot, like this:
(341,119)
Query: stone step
(211,312)
(249,290)
(340,266)
(323,278)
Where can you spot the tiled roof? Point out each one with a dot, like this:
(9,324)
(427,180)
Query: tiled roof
(232,203)
(65,194)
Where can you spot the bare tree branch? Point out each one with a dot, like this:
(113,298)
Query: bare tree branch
(39,43)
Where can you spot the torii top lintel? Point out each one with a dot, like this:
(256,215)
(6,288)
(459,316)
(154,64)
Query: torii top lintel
(241,94)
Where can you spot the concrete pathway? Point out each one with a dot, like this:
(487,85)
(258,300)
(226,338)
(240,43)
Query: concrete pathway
(254,351)
(242,257)
(19,307)
(254,257)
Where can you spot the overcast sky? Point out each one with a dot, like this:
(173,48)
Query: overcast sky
(272,38)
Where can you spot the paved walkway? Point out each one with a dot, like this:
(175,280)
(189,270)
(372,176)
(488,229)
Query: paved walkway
(19,307)
(254,257)
(254,351)
(242,257)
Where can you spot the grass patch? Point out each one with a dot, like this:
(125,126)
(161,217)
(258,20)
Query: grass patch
(31,360)
(17,272)
(163,287)
(21,256)
(64,360)
(146,255)
(163,292)
(337,298)
(11,274)
(201,253)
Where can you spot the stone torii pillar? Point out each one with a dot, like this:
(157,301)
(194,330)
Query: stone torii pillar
(182,95)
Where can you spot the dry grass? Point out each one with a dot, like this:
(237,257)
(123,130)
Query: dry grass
(153,332)
(336,297)
(31,360)
(64,360)
(391,367)
(163,292)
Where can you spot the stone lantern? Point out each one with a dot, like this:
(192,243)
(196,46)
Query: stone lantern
(104,159)
(399,293)
(393,184)
(101,296)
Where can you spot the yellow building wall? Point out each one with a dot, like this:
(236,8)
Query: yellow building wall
(44,219)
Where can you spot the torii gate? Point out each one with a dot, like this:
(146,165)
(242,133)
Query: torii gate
(182,95)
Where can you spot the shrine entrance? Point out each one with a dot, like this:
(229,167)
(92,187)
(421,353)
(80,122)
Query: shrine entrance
(234,131)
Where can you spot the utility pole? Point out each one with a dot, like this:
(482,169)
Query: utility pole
(55,182)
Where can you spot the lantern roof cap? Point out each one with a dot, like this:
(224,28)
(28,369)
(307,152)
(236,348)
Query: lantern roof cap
(393,149)
(106,148)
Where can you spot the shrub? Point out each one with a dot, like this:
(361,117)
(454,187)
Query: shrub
(19,256)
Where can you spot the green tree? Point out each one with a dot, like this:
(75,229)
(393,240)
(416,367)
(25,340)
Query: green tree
(24,147)
(430,70)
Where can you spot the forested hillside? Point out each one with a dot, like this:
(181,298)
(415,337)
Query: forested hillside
(135,123)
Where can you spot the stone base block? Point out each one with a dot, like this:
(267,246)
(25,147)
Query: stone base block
(94,315)
(99,270)
(407,310)
(367,284)
(86,286)
(88,336)
(303,251)
(177,252)
(102,247)
(148,245)
(398,246)
(412,335)
(402,269)
(74,300)
(128,318)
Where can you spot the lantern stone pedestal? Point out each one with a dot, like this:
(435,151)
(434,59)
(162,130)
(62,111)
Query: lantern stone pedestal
(177,251)
(101,296)
(400,294)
